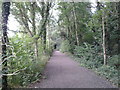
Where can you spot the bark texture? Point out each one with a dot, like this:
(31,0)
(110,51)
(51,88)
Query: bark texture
(5,14)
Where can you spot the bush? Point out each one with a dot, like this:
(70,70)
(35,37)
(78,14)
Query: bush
(109,72)
(88,56)
(113,61)
(65,46)
(24,61)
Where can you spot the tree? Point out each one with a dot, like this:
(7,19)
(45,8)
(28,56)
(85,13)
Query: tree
(5,14)
(33,16)
(74,18)
(101,7)
(104,37)
(75,22)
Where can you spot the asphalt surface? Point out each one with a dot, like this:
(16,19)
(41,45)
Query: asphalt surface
(62,72)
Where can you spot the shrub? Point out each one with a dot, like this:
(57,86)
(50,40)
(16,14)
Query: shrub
(113,61)
(65,46)
(109,72)
(88,56)
(29,69)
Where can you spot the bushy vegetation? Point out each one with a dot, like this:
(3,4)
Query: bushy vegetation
(87,57)
(65,46)
(23,63)
(109,72)
(93,36)
(26,52)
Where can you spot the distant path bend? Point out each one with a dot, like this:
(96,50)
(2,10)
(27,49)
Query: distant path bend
(62,72)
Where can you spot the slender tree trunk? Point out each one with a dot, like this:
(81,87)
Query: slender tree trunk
(104,33)
(45,16)
(49,29)
(69,35)
(33,17)
(104,41)
(5,14)
(34,28)
(36,49)
(45,22)
(76,27)
(44,37)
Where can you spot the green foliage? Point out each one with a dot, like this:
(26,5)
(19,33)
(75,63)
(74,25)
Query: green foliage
(88,58)
(65,46)
(78,25)
(113,61)
(109,72)
(74,18)
(88,37)
(28,52)
(84,31)
(49,50)
(24,61)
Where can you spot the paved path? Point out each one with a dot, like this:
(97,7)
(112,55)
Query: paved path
(62,72)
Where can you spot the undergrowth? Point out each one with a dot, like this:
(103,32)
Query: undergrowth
(89,58)
(23,64)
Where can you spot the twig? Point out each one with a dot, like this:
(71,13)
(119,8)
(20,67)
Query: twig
(15,73)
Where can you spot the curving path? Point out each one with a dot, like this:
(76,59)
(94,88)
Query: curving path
(62,72)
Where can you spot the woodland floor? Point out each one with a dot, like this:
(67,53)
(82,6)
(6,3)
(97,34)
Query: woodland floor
(62,72)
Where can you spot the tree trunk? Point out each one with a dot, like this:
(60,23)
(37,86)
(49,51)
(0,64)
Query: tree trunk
(104,36)
(33,18)
(5,14)
(76,27)
(45,16)
(104,33)
(36,50)
(34,28)
(44,37)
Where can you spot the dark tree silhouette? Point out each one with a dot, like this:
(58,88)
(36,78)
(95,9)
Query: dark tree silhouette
(5,14)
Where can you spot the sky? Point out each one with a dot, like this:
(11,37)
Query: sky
(14,25)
